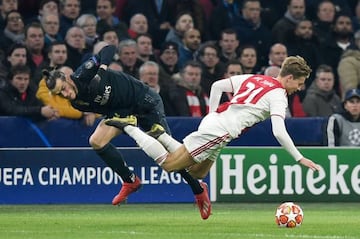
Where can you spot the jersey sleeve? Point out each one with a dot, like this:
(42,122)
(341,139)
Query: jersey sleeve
(282,136)
(278,102)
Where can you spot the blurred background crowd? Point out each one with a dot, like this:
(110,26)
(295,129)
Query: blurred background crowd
(179,48)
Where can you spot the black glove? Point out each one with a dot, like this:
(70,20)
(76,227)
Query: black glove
(106,54)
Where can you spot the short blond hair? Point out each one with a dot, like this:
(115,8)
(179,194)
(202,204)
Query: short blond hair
(296,66)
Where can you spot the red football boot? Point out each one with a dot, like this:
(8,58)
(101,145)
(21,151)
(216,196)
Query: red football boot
(126,190)
(203,202)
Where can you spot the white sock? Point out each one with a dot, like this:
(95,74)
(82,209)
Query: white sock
(148,144)
(169,142)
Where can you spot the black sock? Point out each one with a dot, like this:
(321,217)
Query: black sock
(194,183)
(114,159)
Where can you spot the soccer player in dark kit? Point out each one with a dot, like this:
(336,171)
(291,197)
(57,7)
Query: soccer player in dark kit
(95,88)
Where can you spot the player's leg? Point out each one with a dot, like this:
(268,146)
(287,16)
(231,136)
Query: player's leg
(200,170)
(99,140)
(175,161)
(161,131)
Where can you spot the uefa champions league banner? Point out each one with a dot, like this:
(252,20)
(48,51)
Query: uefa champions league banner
(271,174)
(241,174)
(78,175)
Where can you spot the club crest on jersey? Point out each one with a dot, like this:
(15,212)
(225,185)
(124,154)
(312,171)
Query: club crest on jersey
(89,64)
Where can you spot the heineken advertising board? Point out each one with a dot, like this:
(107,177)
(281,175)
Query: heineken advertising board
(271,174)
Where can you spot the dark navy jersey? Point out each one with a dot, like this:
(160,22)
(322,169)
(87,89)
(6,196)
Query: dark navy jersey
(109,92)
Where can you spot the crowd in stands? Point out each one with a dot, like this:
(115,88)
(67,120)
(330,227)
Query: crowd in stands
(179,48)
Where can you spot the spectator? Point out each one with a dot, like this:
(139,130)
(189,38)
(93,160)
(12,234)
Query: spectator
(183,23)
(278,53)
(46,7)
(158,14)
(120,8)
(303,42)
(51,25)
(5,7)
(110,36)
(228,44)
(60,104)
(149,74)
(324,20)
(76,47)
(356,17)
(272,71)
(344,129)
(349,67)
(223,17)
(190,99)
(145,48)
(341,40)
(168,58)
(248,59)
(13,31)
(138,25)
(212,68)
(286,25)
(128,57)
(321,99)
(69,12)
(251,30)
(105,12)
(196,11)
(17,54)
(35,43)
(56,57)
(191,43)
(88,23)
(341,6)
(18,98)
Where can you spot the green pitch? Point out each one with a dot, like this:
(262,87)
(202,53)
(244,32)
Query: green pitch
(175,221)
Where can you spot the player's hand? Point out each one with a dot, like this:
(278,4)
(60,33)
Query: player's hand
(310,164)
(49,112)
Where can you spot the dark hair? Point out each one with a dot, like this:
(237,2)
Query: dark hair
(191,63)
(18,69)
(208,44)
(34,25)
(7,16)
(324,68)
(10,51)
(54,43)
(143,35)
(50,78)
(43,2)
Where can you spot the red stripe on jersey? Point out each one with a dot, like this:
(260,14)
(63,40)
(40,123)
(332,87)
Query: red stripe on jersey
(208,145)
(251,90)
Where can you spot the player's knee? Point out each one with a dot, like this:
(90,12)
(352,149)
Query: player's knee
(167,168)
(96,142)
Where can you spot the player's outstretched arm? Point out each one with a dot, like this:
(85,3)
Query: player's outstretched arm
(280,133)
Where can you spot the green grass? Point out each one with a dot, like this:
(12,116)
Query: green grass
(172,221)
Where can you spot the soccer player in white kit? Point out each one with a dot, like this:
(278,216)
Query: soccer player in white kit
(256,98)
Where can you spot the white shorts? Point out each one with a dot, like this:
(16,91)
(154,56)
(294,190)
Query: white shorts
(208,140)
